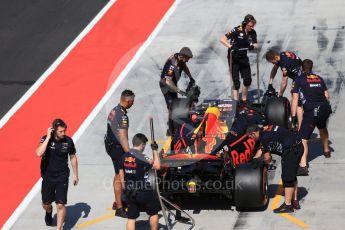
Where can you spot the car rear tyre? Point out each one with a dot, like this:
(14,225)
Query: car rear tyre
(250,191)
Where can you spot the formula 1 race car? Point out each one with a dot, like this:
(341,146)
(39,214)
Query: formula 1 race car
(210,151)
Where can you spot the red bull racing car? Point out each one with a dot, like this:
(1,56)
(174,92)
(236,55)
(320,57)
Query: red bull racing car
(210,152)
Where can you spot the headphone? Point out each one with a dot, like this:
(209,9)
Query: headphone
(244,23)
(248,18)
(58,122)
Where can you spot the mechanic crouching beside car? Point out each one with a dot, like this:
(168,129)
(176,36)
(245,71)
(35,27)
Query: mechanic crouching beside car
(278,140)
(134,168)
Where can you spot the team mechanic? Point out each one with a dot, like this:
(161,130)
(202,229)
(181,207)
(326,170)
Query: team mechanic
(54,149)
(240,37)
(313,93)
(140,195)
(280,141)
(290,65)
(116,143)
(170,75)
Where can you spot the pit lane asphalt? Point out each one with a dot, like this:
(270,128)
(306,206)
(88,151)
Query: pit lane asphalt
(286,25)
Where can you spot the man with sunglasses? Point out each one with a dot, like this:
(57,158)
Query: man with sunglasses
(280,141)
(116,143)
(54,150)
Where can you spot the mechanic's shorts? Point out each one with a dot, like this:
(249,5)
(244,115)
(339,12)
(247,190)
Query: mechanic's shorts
(115,153)
(310,121)
(240,65)
(290,162)
(144,201)
(299,104)
(54,191)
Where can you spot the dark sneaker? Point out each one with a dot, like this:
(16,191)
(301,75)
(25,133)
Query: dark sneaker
(327,154)
(284,208)
(120,212)
(114,206)
(49,218)
(295,204)
(302,171)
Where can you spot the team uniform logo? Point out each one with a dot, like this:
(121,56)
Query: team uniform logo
(130,162)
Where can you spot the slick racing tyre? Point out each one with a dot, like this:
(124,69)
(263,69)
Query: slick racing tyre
(250,191)
(277,111)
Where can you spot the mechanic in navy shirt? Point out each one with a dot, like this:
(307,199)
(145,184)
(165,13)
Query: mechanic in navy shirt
(134,169)
(238,41)
(278,140)
(290,65)
(288,62)
(54,150)
(116,142)
(170,76)
(312,91)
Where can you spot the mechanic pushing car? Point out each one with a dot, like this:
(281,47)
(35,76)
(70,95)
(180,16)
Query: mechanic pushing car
(238,41)
(140,195)
(313,93)
(278,140)
(290,65)
(116,143)
(54,150)
(170,75)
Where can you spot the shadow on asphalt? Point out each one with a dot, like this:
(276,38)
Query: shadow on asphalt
(316,148)
(73,214)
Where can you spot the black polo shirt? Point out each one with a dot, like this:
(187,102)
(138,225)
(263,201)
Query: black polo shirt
(291,63)
(241,39)
(135,166)
(117,119)
(54,162)
(311,89)
(172,69)
(276,139)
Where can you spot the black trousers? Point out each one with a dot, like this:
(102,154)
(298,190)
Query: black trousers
(169,97)
(290,162)
(240,65)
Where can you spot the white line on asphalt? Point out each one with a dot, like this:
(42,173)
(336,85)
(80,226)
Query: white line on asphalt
(20,209)
(53,66)
(36,188)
